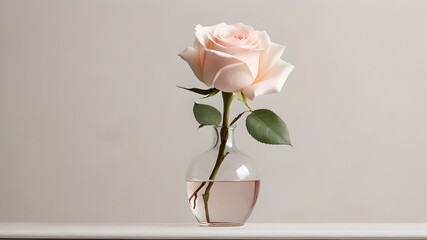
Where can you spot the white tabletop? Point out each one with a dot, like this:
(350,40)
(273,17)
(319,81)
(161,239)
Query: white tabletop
(193,231)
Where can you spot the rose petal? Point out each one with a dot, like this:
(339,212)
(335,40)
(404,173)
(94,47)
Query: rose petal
(201,50)
(242,27)
(264,39)
(272,82)
(250,57)
(214,61)
(235,35)
(268,59)
(253,41)
(233,78)
(191,56)
(202,41)
(202,32)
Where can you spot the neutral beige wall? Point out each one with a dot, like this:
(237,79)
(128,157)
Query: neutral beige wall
(92,127)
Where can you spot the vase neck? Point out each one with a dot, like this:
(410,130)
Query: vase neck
(225,134)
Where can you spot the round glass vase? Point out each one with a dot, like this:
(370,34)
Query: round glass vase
(222,183)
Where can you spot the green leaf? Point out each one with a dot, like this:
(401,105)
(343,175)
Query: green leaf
(266,127)
(206,115)
(213,93)
(242,98)
(200,91)
(237,118)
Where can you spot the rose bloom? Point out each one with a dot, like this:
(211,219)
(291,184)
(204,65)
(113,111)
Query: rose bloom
(235,58)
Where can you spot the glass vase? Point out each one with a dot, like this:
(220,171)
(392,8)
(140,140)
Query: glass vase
(222,182)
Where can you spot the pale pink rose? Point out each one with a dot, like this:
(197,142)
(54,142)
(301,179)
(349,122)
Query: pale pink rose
(236,58)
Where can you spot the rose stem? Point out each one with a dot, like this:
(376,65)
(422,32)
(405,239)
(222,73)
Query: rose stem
(227,99)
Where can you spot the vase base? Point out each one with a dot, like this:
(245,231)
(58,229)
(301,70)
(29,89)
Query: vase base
(220,224)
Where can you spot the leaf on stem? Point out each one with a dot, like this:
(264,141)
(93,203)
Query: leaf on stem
(266,127)
(206,115)
(213,93)
(242,98)
(237,118)
(201,91)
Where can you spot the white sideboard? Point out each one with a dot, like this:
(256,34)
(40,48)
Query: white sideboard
(193,231)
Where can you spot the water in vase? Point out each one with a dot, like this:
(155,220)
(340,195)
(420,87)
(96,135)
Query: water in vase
(222,203)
